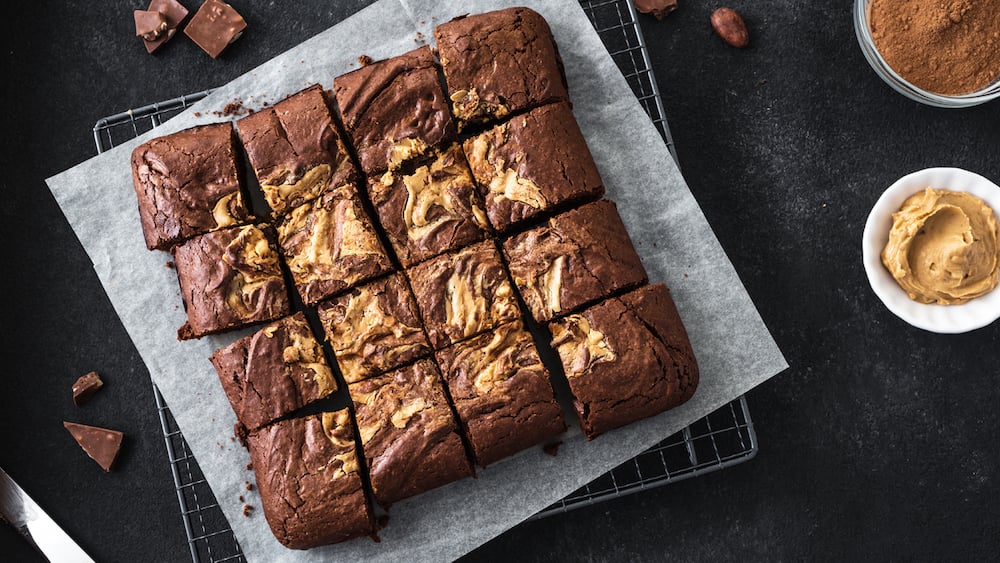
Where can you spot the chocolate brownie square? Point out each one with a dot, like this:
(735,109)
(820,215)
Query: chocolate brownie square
(501,392)
(394,109)
(273,372)
(499,63)
(408,433)
(374,328)
(434,209)
(575,258)
(463,293)
(626,359)
(229,279)
(187,184)
(308,477)
(532,163)
(296,150)
(330,246)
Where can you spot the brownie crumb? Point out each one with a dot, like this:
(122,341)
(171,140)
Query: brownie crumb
(247,509)
(250,466)
(383,521)
(552,449)
(197,114)
(170,264)
(242,499)
(249,486)
(365,60)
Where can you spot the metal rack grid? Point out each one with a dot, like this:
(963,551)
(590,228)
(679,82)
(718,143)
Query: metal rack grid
(722,439)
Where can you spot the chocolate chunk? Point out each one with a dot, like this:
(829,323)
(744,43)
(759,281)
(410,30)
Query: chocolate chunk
(657,8)
(214,26)
(149,25)
(85,387)
(101,445)
(173,12)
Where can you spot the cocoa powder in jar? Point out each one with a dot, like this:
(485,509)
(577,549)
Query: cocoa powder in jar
(949,47)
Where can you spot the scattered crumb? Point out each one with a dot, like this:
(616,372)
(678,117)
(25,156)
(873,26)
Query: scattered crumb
(365,60)
(419,38)
(423,22)
(249,466)
(552,449)
(247,509)
(654,244)
(170,264)
(266,104)
(685,275)
(242,499)
(197,114)
(383,521)
(249,486)
(232,438)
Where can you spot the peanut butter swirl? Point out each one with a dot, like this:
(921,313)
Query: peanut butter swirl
(580,346)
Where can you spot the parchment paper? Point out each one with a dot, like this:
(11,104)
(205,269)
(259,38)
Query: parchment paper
(735,351)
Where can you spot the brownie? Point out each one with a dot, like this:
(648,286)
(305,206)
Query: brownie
(408,433)
(532,163)
(434,209)
(273,372)
(187,184)
(501,392)
(229,279)
(296,150)
(575,258)
(626,359)
(499,63)
(394,110)
(374,328)
(309,481)
(463,293)
(330,246)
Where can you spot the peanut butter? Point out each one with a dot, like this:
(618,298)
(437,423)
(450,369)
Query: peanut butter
(942,247)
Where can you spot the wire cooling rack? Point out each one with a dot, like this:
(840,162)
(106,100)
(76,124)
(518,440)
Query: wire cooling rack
(724,438)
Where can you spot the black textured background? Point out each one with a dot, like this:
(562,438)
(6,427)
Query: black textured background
(881,441)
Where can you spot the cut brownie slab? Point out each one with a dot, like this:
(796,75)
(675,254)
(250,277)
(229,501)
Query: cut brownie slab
(329,245)
(308,477)
(187,184)
(394,109)
(374,328)
(273,372)
(463,293)
(501,392)
(532,163)
(229,279)
(295,150)
(626,359)
(577,257)
(498,63)
(434,209)
(408,434)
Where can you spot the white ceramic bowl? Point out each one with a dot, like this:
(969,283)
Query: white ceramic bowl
(948,319)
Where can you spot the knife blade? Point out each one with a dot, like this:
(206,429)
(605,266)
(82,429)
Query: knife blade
(24,514)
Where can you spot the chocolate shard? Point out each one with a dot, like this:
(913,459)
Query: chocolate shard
(85,387)
(657,8)
(172,12)
(101,444)
(214,26)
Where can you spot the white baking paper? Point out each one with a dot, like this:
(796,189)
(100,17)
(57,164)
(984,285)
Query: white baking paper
(735,351)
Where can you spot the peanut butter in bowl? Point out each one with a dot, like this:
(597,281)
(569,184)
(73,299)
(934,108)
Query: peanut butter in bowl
(942,247)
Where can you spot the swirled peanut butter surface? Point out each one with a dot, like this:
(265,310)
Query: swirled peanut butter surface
(942,247)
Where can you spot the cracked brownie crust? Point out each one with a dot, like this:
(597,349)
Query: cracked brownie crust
(307,475)
(434,209)
(187,184)
(502,393)
(626,359)
(463,293)
(395,110)
(532,163)
(498,63)
(229,278)
(408,434)
(295,150)
(374,328)
(329,245)
(274,371)
(577,257)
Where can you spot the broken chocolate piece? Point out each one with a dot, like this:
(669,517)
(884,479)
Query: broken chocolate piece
(85,387)
(149,25)
(173,12)
(658,8)
(101,444)
(214,26)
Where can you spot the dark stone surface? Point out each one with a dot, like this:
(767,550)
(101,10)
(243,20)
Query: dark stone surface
(880,441)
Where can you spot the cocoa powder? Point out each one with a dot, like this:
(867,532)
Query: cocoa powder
(949,47)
